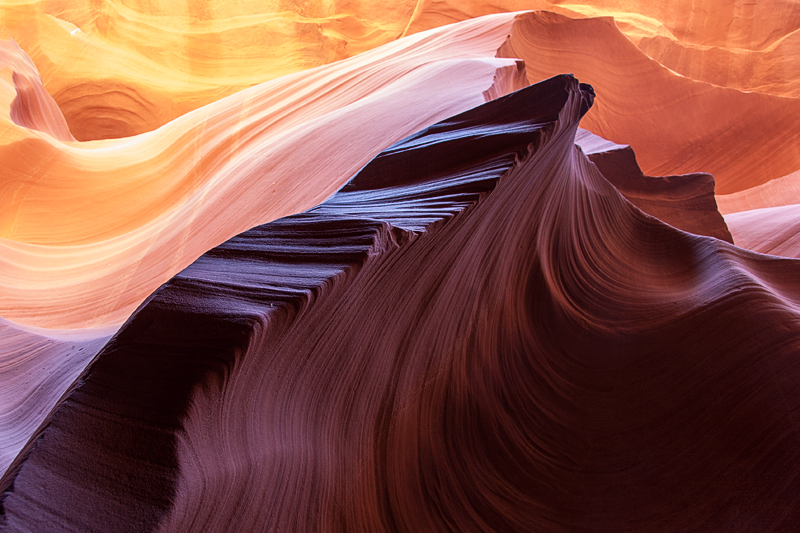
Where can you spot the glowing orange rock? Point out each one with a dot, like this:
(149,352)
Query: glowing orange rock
(90,229)
(121,68)
(750,26)
(674,124)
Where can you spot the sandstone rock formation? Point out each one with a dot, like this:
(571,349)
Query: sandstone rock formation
(336,266)
(477,332)
(135,211)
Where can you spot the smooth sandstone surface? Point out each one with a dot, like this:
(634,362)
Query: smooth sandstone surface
(674,124)
(123,67)
(768,230)
(766,218)
(88,230)
(774,193)
(744,45)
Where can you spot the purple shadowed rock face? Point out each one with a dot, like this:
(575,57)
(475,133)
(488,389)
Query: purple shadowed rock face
(478,333)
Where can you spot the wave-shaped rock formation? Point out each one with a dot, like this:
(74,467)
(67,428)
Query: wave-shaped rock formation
(708,74)
(135,211)
(91,229)
(478,332)
(676,125)
(684,83)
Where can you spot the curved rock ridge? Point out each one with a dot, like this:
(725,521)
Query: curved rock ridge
(747,46)
(197,327)
(133,212)
(686,202)
(732,25)
(674,124)
(477,333)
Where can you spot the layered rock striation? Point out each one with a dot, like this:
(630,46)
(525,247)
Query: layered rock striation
(478,332)
(89,230)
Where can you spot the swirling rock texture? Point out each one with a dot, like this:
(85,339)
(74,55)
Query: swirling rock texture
(137,210)
(90,229)
(477,333)
(502,322)
(676,122)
